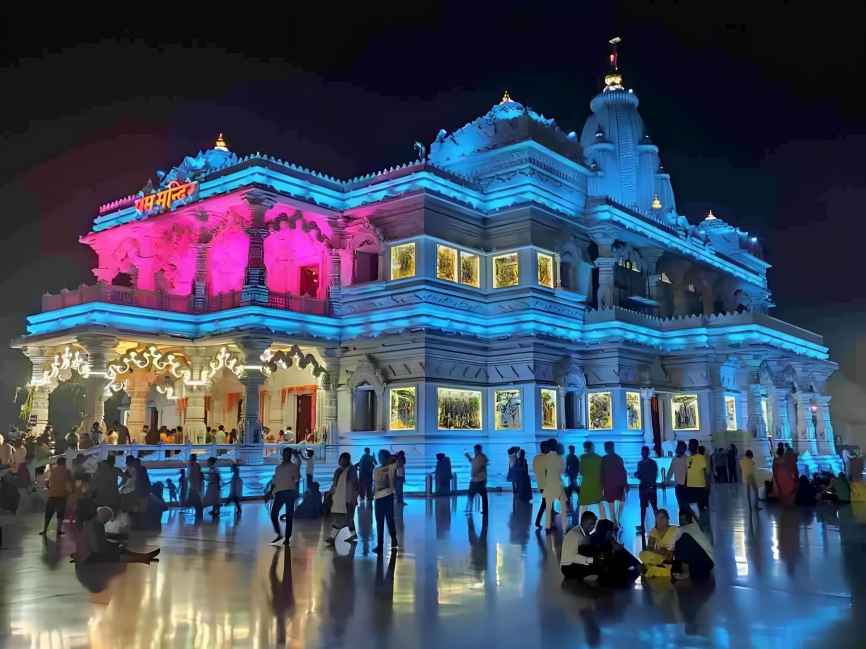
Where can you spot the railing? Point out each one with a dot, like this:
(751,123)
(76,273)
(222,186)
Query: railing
(179,303)
(175,453)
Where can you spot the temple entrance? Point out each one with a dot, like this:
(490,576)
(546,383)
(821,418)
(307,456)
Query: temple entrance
(366,267)
(304,418)
(66,405)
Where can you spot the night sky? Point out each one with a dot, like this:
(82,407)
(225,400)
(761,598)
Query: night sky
(756,112)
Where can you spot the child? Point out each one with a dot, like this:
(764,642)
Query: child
(236,489)
(172,491)
(183,486)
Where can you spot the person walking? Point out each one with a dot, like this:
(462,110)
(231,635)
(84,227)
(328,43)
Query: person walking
(443,475)
(540,469)
(400,477)
(477,479)
(344,499)
(236,488)
(748,474)
(590,479)
(614,481)
(59,488)
(383,498)
(365,474)
(285,484)
(647,476)
(696,477)
(214,483)
(572,470)
(521,477)
(553,466)
(196,484)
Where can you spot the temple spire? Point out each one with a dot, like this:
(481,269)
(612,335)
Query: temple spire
(506,98)
(613,79)
(221,144)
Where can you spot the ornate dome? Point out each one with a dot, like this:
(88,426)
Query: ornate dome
(615,140)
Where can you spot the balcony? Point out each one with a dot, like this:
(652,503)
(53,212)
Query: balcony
(161,301)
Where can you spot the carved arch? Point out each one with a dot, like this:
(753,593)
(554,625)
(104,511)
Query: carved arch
(299,221)
(147,358)
(286,358)
(62,365)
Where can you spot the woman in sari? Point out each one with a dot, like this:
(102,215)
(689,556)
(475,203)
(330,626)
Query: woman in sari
(784,476)
(520,472)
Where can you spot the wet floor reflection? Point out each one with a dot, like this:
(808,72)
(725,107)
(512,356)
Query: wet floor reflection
(784,578)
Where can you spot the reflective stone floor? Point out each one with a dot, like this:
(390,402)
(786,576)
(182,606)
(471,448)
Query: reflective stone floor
(784,578)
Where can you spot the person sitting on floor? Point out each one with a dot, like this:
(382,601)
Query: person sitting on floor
(577,561)
(693,551)
(311,505)
(617,567)
(659,553)
(839,490)
(100,550)
(806,496)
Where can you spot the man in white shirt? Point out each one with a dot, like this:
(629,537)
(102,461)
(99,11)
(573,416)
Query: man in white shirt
(678,469)
(285,483)
(573,564)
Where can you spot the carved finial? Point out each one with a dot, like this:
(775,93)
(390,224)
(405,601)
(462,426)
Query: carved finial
(613,79)
(506,98)
(710,216)
(221,144)
(657,204)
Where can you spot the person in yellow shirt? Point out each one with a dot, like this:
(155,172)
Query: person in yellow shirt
(696,476)
(659,552)
(750,478)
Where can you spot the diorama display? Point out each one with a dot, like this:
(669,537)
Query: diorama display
(632,410)
(459,409)
(507,410)
(548,409)
(684,410)
(730,413)
(600,411)
(402,408)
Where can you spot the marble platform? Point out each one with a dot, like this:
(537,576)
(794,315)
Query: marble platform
(784,578)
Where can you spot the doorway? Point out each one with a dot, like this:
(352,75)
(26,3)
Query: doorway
(304,418)
(309,282)
(154,419)
(366,267)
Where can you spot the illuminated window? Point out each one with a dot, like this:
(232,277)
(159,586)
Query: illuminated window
(628,264)
(665,278)
(470,269)
(684,412)
(506,270)
(632,410)
(730,412)
(507,409)
(402,409)
(446,263)
(600,412)
(545,270)
(548,408)
(458,409)
(403,261)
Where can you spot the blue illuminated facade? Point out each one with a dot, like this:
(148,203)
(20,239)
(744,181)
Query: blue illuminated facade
(515,283)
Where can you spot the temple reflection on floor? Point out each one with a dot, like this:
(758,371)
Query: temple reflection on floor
(784,577)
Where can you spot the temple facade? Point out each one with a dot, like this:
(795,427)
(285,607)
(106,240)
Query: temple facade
(514,283)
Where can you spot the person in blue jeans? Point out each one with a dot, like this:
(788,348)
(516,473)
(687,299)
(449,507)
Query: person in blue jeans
(383,497)
(285,486)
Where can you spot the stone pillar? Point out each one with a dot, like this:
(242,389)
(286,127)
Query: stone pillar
(651,258)
(757,425)
(805,427)
(99,350)
(252,381)
(707,295)
(781,420)
(606,292)
(826,436)
(330,385)
(40,360)
(646,417)
(255,289)
(667,432)
(194,426)
(138,391)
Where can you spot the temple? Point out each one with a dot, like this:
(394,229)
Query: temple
(514,283)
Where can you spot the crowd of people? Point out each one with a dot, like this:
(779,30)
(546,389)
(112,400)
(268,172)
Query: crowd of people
(584,495)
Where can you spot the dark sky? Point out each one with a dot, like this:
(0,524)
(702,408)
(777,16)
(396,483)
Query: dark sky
(756,111)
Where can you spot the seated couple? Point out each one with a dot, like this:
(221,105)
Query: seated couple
(99,547)
(678,552)
(591,553)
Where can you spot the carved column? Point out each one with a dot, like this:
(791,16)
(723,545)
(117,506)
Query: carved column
(199,284)
(606,292)
(826,436)
(255,289)
(757,425)
(99,349)
(40,360)
(330,385)
(335,253)
(138,390)
(253,379)
(708,297)
(805,426)
(781,420)
(646,396)
(651,258)
(194,426)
